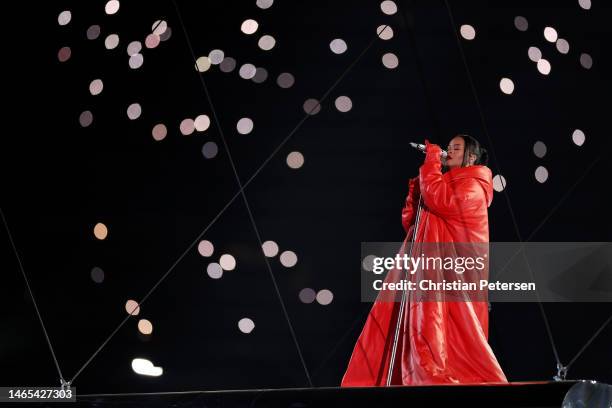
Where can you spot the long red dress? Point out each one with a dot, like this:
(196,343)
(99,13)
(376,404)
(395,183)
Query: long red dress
(439,342)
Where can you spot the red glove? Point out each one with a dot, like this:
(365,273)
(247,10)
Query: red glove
(432,151)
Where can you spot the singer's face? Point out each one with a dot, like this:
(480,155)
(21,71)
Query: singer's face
(455,152)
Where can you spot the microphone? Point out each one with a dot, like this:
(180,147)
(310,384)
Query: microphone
(421,147)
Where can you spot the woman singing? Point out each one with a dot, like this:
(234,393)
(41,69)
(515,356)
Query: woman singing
(439,342)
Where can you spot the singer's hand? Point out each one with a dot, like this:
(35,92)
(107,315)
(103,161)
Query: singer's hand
(432,150)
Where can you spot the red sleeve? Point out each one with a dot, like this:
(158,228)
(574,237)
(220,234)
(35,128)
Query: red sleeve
(411,206)
(441,198)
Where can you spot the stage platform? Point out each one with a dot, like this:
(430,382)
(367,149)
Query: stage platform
(517,394)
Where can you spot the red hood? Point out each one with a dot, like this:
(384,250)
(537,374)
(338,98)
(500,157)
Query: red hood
(482,174)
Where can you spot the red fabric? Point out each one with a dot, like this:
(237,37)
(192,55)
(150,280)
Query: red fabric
(439,342)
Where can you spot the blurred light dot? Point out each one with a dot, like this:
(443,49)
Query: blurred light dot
(468,32)
(338,46)
(266,42)
(264,4)
(97,275)
(145,327)
(136,61)
(585,4)
(499,183)
(295,160)
(520,23)
(249,26)
(307,295)
(86,118)
(203,64)
(586,61)
(206,248)
(244,126)
(64,17)
(550,34)
(111,7)
(578,137)
(159,27)
(368,263)
(152,41)
(96,86)
(312,106)
(166,34)
(216,57)
(228,64)
(247,71)
(506,85)
(562,46)
(270,248)
(132,308)
(187,126)
(134,111)
(134,48)
(64,54)
(288,259)
(534,54)
(544,66)
(541,174)
(261,74)
(201,123)
(390,60)
(539,149)
(227,262)
(143,366)
(384,32)
(388,7)
(210,150)
(325,297)
(214,270)
(111,41)
(100,231)
(246,325)
(93,32)
(159,131)
(343,103)
(285,80)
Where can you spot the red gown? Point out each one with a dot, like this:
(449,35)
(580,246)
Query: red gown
(439,342)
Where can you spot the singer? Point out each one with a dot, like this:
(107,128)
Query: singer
(439,342)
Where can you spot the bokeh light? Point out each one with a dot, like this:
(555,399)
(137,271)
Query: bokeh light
(159,131)
(541,174)
(143,366)
(261,74)
(246,325)
(534,54)
(201,123)
(544,66)
(325,297)
(136,61)
(97,274)
(285,80)
(506,85)
(384,32)
(295,160)
(145,327)
(132,307)
(499,183)
(85,118)
(585,4)
(586,61)
(245,126)
(152,41)
(206,248)
(64,54)
(111,41)
(216,57)
(539,149)
(550,34)
(100,231)
(390,60)
(111,7)
(247,71)
(249,26)
(312,106)
(134,111)
(270,248)
(264,4)
(187,126)
(307,295)
(521,23)
(210,150)
(388,7)
(93,32)
(288,259)
(228,64)
(562,46)
(214,270)
(338,46)
(96,86)
(266,42)
(343,103)
(578,137)
(64,17)
(468,32)
(227,262)
(203,64)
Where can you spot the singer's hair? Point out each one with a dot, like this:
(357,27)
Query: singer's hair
(472,146)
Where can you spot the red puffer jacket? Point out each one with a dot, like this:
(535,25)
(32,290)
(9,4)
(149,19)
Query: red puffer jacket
(440,342)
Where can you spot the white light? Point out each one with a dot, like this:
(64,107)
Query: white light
(145,327)
(499,183)
(216,56)
(202,64)
(132,308)
(338,46)
(270,248)
(206,248)
(111,41)
(201,123)
(385,32)
(214,270)
(187,127)
(247,71)
(562,46)
(249,26)
(266,42)
(134,111)
(134,48)
(343,103)
(325,297)
(245,126)
(388,7)
(585,4)
(541,174)
(544,66)
(136,61)
(288,259)
(111,7)
(227,262)
(64,17)
(96,86)
(550,34)
(506,85)
(264,4)
(295,160)
(468,32)
(534,54)
(143,366)
(390,60)
(520,23)
(246,325)
(159,27)
(578,137)
(586,61)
